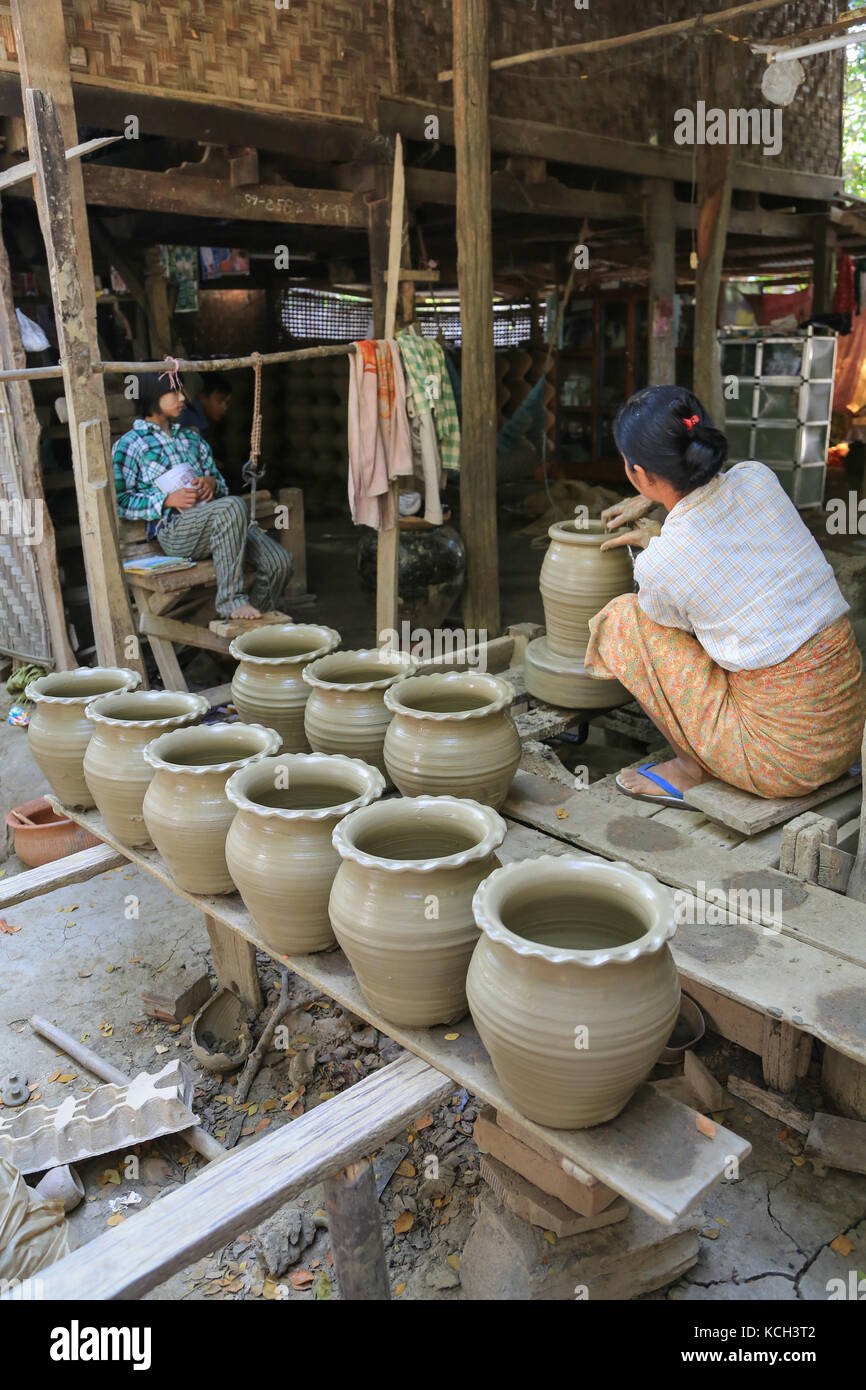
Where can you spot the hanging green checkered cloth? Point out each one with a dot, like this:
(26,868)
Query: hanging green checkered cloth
(428,380)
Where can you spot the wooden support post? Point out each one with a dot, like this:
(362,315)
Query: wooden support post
(388,546)
(294,538)
(26,429)
(234,960)
(156,293)
(785,1054)
(824,252)
(661,229)
(85,396)
(356,1233)
(714,177)
(475,279)
(43,61)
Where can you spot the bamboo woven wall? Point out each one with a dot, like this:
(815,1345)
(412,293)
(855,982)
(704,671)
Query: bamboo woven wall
(333,58)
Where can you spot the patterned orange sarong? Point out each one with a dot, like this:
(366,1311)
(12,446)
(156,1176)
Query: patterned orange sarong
(780,731)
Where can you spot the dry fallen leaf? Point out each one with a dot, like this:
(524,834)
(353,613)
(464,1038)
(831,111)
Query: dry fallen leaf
(424,1121)
(454,1262)
(405,1221)
(67,1076)
(842,1245)
(451,1037)
(406,1169)
(301,1278)
(161,1047)
(711,1233)
(116,1219)
(401,1288)
(561,815)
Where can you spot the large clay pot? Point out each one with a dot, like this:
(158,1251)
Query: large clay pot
(186,810)
(346,711)
(401,904)
(267,687)
(452,735)
(114,766)
(59,728)
(577,580)
(572,986)
(279,849)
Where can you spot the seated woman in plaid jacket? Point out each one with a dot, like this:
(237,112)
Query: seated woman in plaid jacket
(736,644)
(165,475)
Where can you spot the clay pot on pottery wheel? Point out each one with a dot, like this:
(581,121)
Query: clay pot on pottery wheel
(59,729)
(452,735)
(577,580)
(401,904)
(572,986)
(186,810)
(114,766)
(220,1037)
(346,710)
(279,849)
(267,687)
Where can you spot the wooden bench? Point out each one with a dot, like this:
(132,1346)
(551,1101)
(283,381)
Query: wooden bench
(171,605)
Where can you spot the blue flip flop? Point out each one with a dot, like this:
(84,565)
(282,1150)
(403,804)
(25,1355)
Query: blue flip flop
(674,797)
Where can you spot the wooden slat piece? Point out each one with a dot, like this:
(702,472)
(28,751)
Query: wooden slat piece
(752,814)
(75,868)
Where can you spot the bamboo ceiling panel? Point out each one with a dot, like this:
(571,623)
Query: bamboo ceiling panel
(23,628)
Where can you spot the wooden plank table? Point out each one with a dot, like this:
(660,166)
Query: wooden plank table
(652,1153)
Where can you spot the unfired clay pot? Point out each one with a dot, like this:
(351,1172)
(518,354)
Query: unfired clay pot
(452,735)
(577,580)
(267,687)
(572,986)
(186,810)
(114,766)
(279,849)
(346,711)
(401,904)
(59,728)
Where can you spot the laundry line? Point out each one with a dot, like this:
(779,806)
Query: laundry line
(206,364)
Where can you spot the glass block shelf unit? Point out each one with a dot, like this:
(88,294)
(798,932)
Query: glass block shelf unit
(781,411)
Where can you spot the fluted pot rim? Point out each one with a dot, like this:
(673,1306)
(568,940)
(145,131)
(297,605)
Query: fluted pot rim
(99,710)
(592,532)
(501,696)
(156,751)
(326,639)
(373,785)
(492,891)
(314,677)
(490,826)
(34,691)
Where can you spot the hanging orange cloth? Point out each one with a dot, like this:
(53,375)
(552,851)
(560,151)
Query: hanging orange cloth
(380,445)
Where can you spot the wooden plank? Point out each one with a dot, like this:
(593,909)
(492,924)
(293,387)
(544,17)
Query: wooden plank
(661,234)
(157,310)
(154,625)
(294,537)
(843,1080)
(836,1143)
(19,173)
(649,1154)
(714,169)
(475,280)
(785,1054)
(388,540)
(203,572)
(230,1197)
(75,868)
(620,829)
(234,961)
(751,814)
(109,604)
(778,1106)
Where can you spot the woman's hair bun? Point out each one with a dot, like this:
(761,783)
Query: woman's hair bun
(705,453)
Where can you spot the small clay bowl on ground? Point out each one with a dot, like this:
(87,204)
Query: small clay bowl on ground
(220,1037)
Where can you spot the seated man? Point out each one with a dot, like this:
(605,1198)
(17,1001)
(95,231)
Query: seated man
(209,406)
(166,475)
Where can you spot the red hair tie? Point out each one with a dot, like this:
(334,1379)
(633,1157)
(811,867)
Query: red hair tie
(692,421)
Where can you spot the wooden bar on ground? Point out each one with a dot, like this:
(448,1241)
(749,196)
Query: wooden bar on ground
(59,873)
(352,1204)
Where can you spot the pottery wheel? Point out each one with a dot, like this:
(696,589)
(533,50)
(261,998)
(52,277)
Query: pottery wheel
(563,681)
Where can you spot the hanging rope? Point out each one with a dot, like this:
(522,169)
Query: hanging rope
(251,470)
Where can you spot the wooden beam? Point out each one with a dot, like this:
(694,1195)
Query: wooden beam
(475,278)
(659,31)
(18,173)
(43,60)
(824,264)
(156,304)
(562,145)
(661,231)
(388,539)
(26,430)
(85,396)
(713,163)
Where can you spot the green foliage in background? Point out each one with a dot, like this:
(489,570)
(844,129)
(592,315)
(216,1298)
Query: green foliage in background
(855,115)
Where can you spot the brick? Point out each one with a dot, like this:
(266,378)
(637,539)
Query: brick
(586,1198)
(527,1201)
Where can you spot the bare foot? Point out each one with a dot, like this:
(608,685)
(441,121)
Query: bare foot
(676,772)
(245,610)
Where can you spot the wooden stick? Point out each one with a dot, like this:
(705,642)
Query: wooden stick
(206,364)
(388,541)
(197,1138)
(254,1061)
(658,31)
(356,1233)
(26,169)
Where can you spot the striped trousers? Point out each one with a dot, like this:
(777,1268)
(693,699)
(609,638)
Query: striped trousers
(221,530)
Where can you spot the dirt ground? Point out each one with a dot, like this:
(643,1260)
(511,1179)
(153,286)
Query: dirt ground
(81,957)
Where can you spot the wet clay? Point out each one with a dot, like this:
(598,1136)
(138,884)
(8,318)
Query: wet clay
(267,687)
(572,986)
(577,580)
(279,849)
(60,731)
(452,735)
(401,904)
(346,711)
(114,766)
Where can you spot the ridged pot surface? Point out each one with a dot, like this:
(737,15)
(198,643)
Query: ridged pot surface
(267,687)
(452,735)
(572,986)
(346,711)
(114,767)
(577,580)
(401,904)
(279,850)
(59,729)
(186,810)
